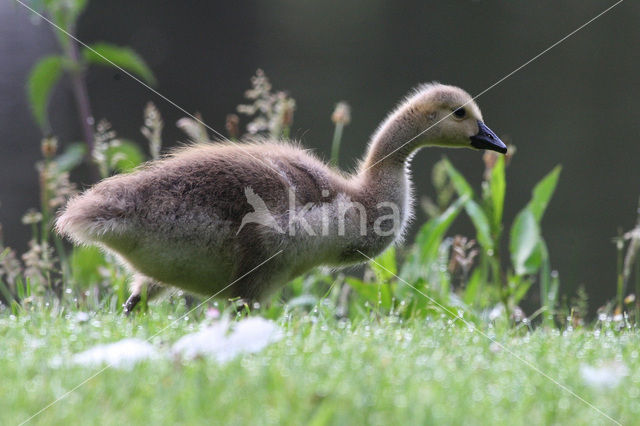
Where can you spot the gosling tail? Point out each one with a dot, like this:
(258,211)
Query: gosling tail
(89,218)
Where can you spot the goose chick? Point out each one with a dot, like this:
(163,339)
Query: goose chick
(242,220)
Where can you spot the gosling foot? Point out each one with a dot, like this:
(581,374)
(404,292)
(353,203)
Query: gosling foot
(131,303)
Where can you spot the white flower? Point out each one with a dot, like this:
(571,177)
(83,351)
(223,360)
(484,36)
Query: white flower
(248,336)
(608,375)
(122,354)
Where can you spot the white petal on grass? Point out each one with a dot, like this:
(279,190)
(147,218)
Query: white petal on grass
(607,376)
(206,341)
(82,317)
(248,336)
(122,354)
(496,312)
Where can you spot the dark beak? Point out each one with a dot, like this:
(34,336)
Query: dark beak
(486,139)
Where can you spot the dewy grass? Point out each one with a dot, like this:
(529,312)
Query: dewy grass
(324,371)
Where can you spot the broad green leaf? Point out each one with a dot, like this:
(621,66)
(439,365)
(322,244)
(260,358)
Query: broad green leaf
(425,249)
(23,287)
(63,13)
(125,156)
(534,263)
(4,253)
(433,231)
(548,286)
(373,293)
(85,265)
(542,193)
(407,290)
(5,292)
(473,286)
(42,78)
(385,295)
(71,157)
(459,182)
(519,288)
(481,223)
(545,272)
(524,246)
(123,57)
(385,265)
(475,212)
(497,186)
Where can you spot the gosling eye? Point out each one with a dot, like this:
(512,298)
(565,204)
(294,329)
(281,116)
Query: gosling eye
(460,112)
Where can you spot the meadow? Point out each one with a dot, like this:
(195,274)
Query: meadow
(323,371)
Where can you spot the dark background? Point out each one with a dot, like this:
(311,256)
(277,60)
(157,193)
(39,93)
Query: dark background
(575,105)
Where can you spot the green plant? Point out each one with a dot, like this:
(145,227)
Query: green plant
(628,263)
(341,117)
(74,62)
(45,264)
(48,270)
(271,112)
(527,249)
(425,276)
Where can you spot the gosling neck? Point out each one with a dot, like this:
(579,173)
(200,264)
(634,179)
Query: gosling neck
(383,183)
(391,147)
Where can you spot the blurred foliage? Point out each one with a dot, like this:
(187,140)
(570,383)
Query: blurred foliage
(119,57)
(46,73)
(42,79)
(454,276)
(46,275)
(437,276)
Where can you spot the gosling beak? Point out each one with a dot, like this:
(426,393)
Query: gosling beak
(486,139)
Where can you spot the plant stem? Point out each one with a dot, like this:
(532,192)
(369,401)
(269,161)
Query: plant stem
(619,291)
(502,284)
(335,145)
(81,94)
(637,317)
(545,291)
(44,202)
(62,254)
(632,251)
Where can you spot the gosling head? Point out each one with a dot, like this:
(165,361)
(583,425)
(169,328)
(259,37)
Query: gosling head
(448,116)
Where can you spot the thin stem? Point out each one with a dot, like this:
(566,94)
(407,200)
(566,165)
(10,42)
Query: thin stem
(637,290)
(81,94)
(545,291)
(632,251)
(620,286)
(44,200)
(335,145)
(62,254)
(502,285)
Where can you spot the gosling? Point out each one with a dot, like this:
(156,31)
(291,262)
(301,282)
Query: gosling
(241,220)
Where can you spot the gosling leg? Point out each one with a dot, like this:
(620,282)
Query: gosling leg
(139,284)
(131,303)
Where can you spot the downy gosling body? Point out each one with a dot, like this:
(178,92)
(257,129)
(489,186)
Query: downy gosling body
(240,220)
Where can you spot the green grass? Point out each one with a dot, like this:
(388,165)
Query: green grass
(324,371)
